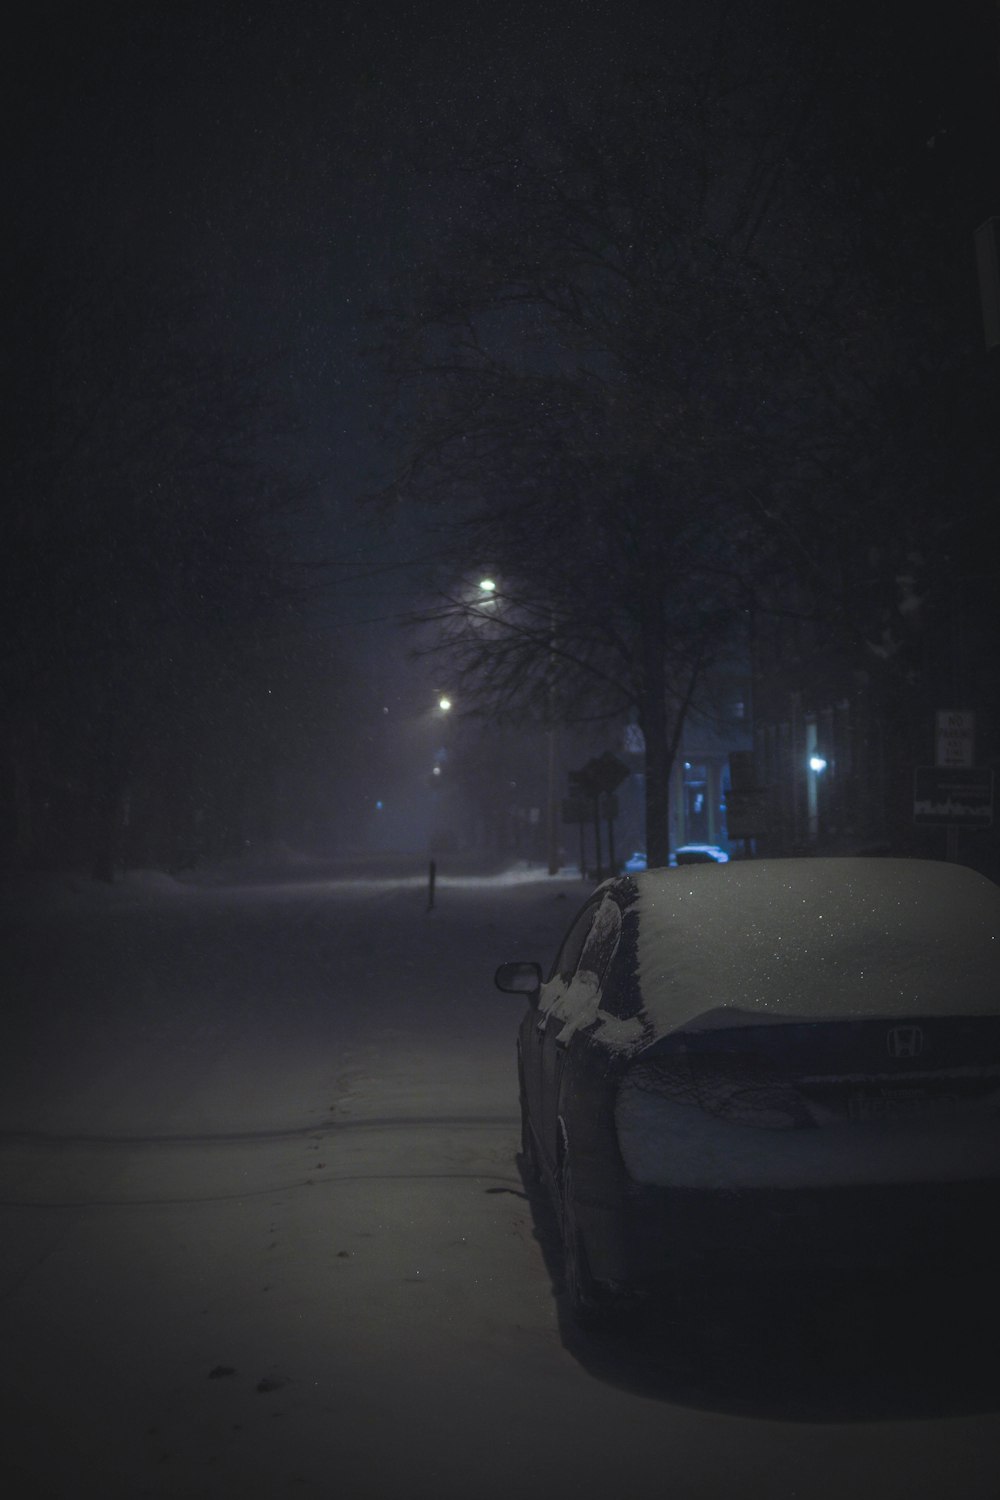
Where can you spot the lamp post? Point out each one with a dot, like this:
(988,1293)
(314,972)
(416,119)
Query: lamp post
(817,765)
(484,595)
(552,818)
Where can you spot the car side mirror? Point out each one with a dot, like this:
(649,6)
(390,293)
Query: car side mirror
(519,979)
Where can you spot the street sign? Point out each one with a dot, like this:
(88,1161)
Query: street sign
(953,796)
(603,774)
(955,737)
(741,771)
(611,772)
(578,810)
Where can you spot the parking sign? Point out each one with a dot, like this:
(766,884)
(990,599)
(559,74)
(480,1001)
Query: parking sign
(955,740)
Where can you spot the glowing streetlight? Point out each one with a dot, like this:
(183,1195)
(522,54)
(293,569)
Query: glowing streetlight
(817,763)
(444,703)
(487,586)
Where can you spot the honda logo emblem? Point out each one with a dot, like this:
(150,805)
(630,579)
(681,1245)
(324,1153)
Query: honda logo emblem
(905,1041)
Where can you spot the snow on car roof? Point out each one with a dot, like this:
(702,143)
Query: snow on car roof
(814,939)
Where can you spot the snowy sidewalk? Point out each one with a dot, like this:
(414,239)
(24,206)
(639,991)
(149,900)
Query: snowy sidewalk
(262,1230)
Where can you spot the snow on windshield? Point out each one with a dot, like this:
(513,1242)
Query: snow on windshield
(817,938)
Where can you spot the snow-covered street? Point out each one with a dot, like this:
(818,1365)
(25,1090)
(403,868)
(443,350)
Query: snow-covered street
(264,1233)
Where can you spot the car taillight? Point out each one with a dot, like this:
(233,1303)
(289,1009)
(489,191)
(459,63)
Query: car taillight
(742,1089)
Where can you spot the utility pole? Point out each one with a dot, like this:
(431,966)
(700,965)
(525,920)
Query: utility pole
(551,811)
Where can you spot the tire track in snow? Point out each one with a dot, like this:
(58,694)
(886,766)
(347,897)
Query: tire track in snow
(68,1173)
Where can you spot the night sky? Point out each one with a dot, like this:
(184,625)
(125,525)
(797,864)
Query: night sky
(267,157)
(264,164)
(262,156)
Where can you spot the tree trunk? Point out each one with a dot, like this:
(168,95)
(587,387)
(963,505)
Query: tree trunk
(658,769)
(654,724)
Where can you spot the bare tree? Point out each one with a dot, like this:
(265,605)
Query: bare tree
(149,563)
(598,370)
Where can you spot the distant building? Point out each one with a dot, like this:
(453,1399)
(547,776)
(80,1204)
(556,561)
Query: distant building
(841,728)
(699,780)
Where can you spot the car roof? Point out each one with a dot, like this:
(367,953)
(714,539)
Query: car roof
(812,939)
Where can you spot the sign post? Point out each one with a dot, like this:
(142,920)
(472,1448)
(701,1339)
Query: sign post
(954,750)
(574,810)
(746,802)
(952,798)
(955,737)
(596,782)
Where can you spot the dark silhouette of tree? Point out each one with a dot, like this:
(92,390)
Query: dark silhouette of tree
(691,354)
(611,377)
(150,563)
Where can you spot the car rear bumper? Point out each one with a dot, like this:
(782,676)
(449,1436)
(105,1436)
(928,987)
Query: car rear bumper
(911,1226)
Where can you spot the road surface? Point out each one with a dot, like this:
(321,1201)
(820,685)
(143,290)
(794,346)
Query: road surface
(264,1233)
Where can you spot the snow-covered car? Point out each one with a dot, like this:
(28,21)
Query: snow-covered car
(699,854)
(786,1061)
(687,854)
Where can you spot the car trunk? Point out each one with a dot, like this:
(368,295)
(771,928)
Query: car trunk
(814,1143)
(814,1104)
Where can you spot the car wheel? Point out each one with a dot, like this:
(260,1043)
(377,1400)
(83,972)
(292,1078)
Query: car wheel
(577,1283)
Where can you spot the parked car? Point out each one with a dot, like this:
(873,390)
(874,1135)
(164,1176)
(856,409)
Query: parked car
(793,1059)
(635,863)
(699,854)
(687,854)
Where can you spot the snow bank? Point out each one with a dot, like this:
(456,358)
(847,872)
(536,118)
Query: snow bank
(47,894)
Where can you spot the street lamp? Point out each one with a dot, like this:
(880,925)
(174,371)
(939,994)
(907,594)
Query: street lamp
(817,765)
(444,703)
